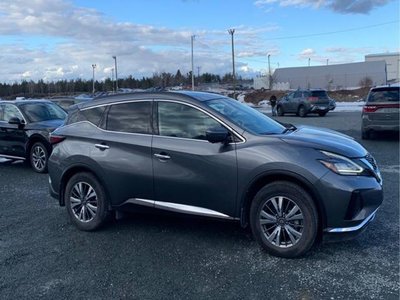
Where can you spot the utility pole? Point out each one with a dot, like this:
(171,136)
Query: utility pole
(309,59)
(231,32)
(116,73)
(327,61)
(192,39)
(94,67)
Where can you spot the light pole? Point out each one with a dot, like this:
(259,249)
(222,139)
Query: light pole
(327,61)
(309,59)
(231,32)
(112,78)
(94,67)
(269,71)
(116,73)
(192,39)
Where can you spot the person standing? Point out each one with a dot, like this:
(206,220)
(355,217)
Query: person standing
(272,102)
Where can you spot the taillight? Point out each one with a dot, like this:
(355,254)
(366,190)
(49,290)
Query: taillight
(370,108)
(55,139)
(313,99)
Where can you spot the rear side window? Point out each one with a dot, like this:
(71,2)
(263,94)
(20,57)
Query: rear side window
(93,115)
(133,117)
(384,95)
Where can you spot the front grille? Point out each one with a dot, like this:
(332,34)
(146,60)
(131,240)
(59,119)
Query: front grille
(372,161)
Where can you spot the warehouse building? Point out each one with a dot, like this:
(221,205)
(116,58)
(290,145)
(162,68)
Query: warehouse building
(392,61)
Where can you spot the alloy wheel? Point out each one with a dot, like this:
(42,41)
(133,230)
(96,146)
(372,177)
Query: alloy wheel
(39,158)
(282,221)
(84,202)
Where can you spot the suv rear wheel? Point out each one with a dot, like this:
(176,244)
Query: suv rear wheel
(283,219)
(86,201)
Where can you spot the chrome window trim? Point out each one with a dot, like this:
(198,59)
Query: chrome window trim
(180,208)
(353,228)
(241,138)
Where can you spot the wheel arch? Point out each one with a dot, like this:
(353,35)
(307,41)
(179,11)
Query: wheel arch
(35,139)
(75,170)
(270,177)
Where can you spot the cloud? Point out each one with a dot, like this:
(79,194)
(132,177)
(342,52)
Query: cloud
(75,37)
(340,6)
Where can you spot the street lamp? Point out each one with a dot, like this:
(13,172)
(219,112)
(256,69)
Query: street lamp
(269,72)
(309,59)
(192,39)
(112,79)
(116,73)
(94,67)
(231,32)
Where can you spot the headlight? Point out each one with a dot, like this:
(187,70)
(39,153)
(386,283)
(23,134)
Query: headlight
(340,164)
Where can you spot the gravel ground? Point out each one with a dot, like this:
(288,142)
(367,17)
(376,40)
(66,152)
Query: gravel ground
(162,256)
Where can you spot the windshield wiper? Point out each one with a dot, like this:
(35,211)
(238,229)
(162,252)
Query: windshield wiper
(289,127)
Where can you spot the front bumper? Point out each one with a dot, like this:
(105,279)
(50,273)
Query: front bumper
(350,204)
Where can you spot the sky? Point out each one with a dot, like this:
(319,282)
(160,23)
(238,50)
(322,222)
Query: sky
(61,39)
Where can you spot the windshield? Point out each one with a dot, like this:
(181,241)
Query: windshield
(319,94)
(38,112)
(245,117)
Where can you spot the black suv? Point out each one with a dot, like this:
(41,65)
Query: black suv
(25,126)
(303,102)
(209,155)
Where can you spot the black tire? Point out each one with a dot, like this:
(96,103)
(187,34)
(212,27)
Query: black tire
(280,111)
(305,224)
(302,111)
(365,135)
(39,157)
(87,213)
(322,113)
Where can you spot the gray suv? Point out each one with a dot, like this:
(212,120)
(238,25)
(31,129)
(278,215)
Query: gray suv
(208,155)
(381,111)
(303,102)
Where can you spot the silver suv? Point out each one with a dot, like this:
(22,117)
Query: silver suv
(303,102)
(381,111)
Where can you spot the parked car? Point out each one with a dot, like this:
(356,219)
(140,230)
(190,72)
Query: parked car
(303,102)
(206,154)
(381,111)
(25,126)
(66,102)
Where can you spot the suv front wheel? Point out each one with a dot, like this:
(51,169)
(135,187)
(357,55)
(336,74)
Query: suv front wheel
(38,157)
(86,201)
(284,219)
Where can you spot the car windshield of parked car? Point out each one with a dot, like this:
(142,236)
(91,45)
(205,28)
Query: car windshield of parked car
(319,94)
(38,112)
(384,95)
(245,117)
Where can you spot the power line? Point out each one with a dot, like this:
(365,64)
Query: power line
(331,32)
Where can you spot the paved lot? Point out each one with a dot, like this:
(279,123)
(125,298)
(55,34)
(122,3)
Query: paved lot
(173,257)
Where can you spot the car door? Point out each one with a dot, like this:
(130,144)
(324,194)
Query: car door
(288,104)
(191,174)
(13,137)
(123,150)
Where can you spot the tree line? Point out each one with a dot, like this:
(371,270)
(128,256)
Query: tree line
(41,89)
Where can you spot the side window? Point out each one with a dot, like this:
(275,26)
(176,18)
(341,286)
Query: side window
(297,94)
(290,96)
(133,117)
(11,111)
(179,120)
(93,115)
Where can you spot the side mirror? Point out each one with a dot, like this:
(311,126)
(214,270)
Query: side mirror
(217,135)
(15,121)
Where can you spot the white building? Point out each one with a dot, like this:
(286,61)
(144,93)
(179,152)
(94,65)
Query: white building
(332,77)
(392,61)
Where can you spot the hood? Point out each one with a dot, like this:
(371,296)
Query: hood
(325,139)
(49,124)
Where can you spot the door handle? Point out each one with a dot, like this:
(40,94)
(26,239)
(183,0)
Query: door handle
(162,156)
(101,146)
